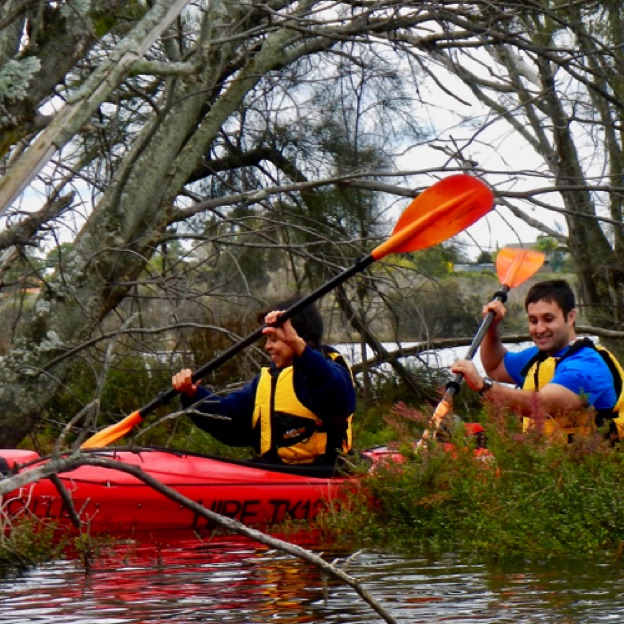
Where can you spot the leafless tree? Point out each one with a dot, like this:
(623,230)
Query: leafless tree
(188,153)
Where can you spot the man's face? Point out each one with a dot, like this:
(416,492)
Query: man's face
(548,327)
(280,352)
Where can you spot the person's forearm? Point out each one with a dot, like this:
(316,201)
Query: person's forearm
(523,402)
(492,350)
(552,400)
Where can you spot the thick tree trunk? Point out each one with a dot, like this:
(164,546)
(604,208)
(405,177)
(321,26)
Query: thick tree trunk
(126,225)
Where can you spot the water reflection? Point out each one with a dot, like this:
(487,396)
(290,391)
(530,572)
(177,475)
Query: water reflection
(235,581)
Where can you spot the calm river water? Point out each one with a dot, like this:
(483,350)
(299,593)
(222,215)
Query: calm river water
(237,581)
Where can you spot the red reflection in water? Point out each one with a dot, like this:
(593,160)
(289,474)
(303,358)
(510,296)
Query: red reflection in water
(226,577)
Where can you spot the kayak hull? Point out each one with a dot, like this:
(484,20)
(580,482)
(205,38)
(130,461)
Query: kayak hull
(112,501)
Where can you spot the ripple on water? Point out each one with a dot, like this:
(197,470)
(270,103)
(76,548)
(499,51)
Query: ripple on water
(234,582)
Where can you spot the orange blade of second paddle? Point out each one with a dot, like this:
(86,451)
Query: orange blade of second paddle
(515,266)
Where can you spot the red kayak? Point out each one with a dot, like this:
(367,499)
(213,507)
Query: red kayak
(111,501)
(108,500)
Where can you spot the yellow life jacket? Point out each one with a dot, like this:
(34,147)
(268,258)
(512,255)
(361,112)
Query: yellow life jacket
(538,372)
(288,428)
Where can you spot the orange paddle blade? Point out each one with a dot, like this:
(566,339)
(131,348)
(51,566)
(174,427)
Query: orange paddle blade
(113,433)
(515,266)
(439,212)
(443,408)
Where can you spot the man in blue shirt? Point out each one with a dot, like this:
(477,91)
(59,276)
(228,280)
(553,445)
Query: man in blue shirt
(556,379)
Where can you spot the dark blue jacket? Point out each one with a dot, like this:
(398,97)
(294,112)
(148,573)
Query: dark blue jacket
(324,386)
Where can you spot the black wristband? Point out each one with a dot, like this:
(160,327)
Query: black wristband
(487,385)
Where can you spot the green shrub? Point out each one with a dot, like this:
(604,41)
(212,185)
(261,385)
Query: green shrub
(26,542)
(531,499)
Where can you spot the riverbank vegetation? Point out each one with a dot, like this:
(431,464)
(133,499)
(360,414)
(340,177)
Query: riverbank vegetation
(530,497)
(26,541)
(24,544)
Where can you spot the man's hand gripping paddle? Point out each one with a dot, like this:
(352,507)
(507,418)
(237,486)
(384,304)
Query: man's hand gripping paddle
(513,267)
(439,212)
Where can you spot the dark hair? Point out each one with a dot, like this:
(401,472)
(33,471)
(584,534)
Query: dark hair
(308,323)
(556,290)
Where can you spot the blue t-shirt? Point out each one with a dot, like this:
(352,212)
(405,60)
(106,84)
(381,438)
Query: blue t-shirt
(585,373)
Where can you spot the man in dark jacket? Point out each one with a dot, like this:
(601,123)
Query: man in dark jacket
(296,411)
